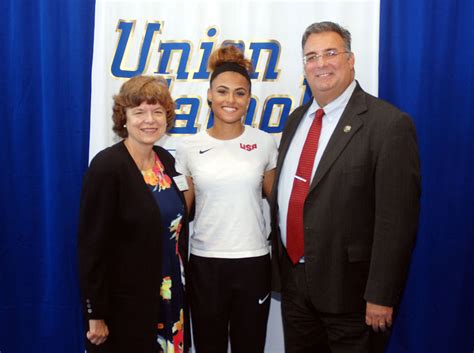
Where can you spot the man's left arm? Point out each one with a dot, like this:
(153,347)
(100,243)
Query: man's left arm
(397,194)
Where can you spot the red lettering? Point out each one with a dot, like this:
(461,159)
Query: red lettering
(248,147)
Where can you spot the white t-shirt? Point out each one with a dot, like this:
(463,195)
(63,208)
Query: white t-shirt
(227,177)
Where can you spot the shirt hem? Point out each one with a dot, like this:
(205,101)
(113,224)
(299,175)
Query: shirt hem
(231,254)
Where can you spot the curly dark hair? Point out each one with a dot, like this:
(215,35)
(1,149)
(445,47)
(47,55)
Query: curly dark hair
(228,54)
(139,89)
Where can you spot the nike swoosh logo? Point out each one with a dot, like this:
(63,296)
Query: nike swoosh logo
(204,151)
(261,301)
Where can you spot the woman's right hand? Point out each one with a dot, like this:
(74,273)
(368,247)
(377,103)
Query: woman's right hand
(98,331)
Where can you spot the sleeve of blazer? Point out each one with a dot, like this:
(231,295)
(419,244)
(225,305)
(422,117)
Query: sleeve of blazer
(397,193)
(96,226)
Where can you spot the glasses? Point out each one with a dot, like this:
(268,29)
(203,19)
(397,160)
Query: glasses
(328,55)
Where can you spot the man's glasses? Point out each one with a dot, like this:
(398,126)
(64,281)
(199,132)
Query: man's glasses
(328,55)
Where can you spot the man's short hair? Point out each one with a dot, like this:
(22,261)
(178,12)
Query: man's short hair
(327,26)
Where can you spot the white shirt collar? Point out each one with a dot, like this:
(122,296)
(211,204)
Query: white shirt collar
(340,101)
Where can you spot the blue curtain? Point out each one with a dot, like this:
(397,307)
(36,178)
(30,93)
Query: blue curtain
(426,68)
(46,50)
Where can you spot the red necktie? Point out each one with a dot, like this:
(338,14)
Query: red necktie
(301,183)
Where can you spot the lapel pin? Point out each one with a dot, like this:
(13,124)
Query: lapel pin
(347,128)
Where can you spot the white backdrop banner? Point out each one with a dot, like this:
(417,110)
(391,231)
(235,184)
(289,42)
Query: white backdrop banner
(174,39)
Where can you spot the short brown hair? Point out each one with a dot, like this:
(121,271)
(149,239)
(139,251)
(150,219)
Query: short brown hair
(327,26)
(139,89)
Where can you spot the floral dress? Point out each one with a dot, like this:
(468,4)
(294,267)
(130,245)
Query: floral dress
(170,334)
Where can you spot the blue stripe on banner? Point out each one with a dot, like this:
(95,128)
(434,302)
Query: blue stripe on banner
(426,56)
(46,48)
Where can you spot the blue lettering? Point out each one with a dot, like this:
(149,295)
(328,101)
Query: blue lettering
(207,48)
(168,48)
(187,112)
(271,71)
(126,29)
(306,95)
(236,43)
(250,116)
(284,104)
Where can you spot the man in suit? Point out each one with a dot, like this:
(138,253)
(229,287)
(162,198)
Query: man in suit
(345,206)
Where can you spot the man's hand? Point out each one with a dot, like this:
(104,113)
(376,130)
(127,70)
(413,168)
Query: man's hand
(378,316)
(98,331)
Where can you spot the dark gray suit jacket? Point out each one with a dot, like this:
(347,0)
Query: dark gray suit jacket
(361,212)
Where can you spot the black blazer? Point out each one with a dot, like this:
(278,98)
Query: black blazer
(361,212)
(119,249)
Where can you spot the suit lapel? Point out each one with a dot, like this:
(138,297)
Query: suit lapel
(345,129)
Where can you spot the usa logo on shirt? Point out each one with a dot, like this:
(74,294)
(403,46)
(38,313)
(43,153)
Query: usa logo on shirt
(248,147)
